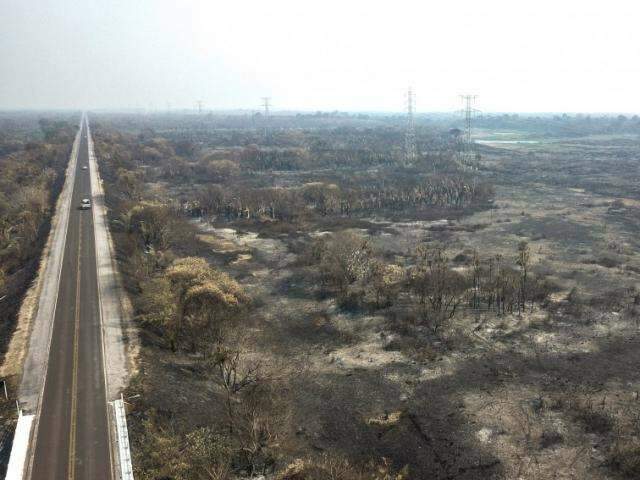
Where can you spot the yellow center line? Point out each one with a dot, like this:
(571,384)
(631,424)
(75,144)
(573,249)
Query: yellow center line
(74,380)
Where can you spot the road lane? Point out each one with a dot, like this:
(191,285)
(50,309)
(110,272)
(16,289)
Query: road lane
(72,436)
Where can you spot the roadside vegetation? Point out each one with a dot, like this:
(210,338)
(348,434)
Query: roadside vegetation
(34,153)
(310,308)
(34,157)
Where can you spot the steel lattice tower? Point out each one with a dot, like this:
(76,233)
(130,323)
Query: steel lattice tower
(410,148)
(266,103)
(467,153)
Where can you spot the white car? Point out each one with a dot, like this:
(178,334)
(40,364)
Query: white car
(85,204)
(84,167)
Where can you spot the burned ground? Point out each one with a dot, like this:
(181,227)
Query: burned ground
(544,389)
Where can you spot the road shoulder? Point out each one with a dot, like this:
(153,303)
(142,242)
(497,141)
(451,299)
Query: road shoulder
(119,335)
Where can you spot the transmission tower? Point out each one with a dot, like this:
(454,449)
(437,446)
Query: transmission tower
(467,152)
(266,104)
(199,103)
(410,149)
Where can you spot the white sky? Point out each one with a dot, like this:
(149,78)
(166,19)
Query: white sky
(517,55)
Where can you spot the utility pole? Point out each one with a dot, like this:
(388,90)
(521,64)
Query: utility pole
(467,153)
(410,148)
(266,103)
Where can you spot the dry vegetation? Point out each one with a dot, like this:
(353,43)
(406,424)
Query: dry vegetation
(34,153)
(310,309)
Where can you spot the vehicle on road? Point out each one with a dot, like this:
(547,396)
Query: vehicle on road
(84,167)
(85,204)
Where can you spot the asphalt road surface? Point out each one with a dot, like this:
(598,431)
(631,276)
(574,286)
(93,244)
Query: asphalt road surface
(72,437)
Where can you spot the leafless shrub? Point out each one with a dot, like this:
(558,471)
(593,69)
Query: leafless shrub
(624,458)
(440,290)
(254,414)
(333,467)
(593,417)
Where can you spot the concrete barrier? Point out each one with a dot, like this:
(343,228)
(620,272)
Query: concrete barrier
(20,448)
(122,440)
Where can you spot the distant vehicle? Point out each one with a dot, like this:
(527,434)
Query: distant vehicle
(85,204)
(84,167)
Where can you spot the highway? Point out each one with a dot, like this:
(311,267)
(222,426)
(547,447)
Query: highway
(71,436)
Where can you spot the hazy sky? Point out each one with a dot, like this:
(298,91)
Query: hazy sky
(517,55)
